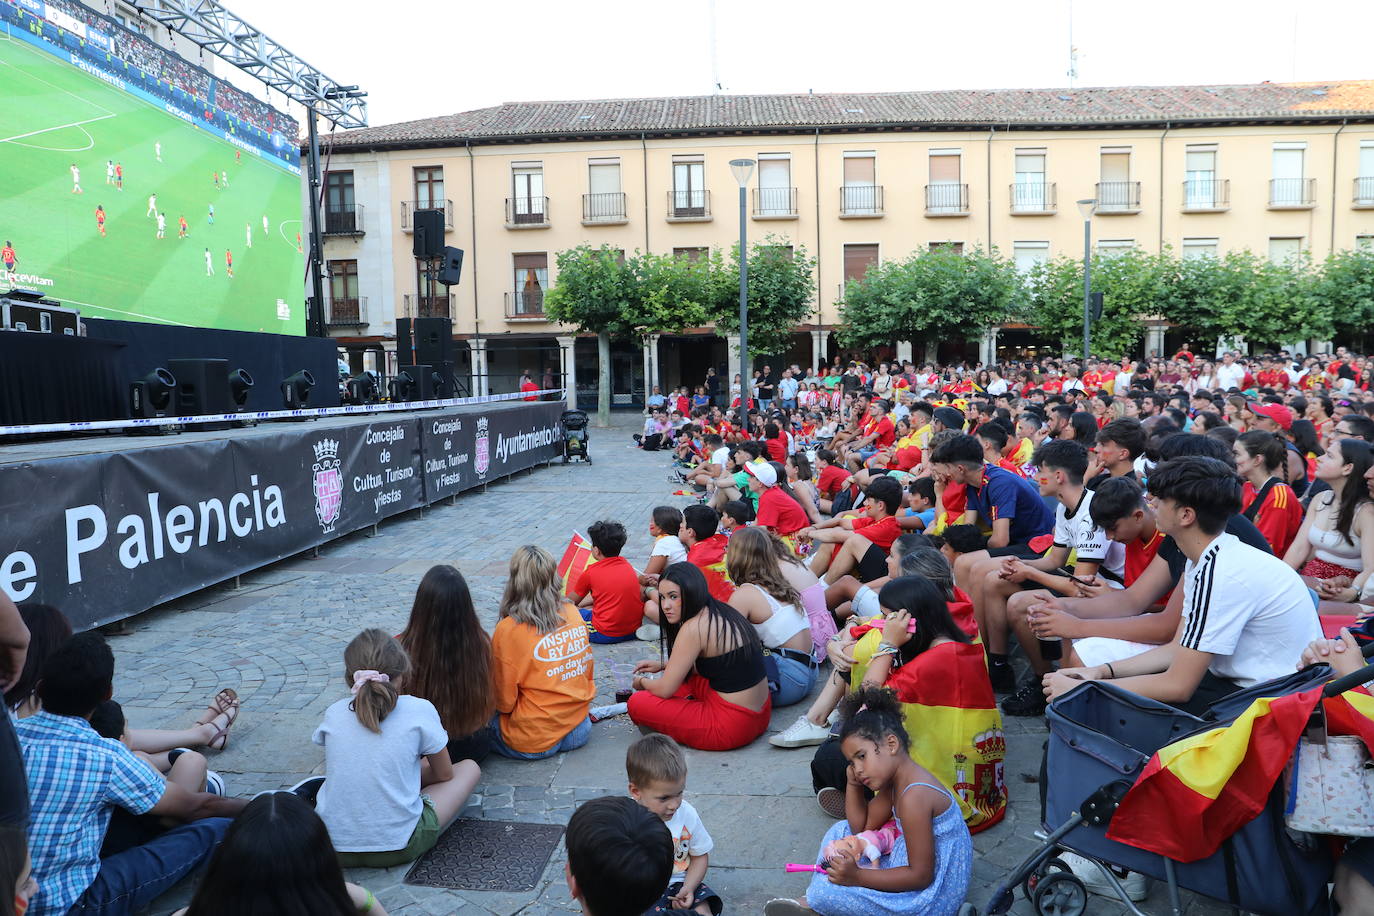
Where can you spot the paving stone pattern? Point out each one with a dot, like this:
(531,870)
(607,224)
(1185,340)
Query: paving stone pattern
(279,638)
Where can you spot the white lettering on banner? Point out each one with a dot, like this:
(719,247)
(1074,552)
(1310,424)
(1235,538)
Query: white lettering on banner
(523,442)
(99,74)
(383,499)
(386,436)
(443,427)
(16,568)
(177,112)
(33,280)
(145,535)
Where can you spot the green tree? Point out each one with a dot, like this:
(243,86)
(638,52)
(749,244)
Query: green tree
(1345,288)
(1134,285)
(936,293)
(782,286)
(1246,295)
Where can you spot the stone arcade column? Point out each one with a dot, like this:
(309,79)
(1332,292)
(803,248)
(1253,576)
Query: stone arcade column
(819,339)
(904,349)
(567,367)
(987,347)
(479,379)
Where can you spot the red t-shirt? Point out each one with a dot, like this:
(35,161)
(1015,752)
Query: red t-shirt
(1278,518)
(882,532)
(955,500)
(777,449)
(905,459)
(617,605)
(780,512)
(1052,385)
(709,557)
(529,386)
(1092,380)
(1139,554)
(831,479)
(886,432)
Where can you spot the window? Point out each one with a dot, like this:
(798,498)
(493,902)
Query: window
(1026,255)
(1200,177)
(343,292)
(689,186)
(1029,191)
(859,195)
(604,200)
(531,280)
(1364,242)
(429,188)
(1111,248)
(692,254)
(1282,250)
(527,197)
(945,194)
(956,247)
(1114,189)
(1199,248)
(339,211)
(1288,188)
(775,185)
(1364,184)
(857,260)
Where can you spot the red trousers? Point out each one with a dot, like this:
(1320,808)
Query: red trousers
(697,716)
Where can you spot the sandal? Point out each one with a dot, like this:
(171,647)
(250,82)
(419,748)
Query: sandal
(221,704)
(222,734)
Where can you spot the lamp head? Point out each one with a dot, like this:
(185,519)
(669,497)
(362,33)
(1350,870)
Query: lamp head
(1086,207)
(743,170)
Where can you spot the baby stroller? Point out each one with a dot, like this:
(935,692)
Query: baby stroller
(574,435)
(1101,737)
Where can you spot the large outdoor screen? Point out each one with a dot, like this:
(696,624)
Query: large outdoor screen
(135,185)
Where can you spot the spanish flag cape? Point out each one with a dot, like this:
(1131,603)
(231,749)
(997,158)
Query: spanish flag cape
(709,556)
(953,722)
(1195,793)
(577,556)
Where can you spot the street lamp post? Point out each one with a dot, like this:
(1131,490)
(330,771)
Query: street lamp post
(743,170)
(1086,208)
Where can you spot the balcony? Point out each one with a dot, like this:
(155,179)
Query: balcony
(343,219)
(525,304)
(604,209)
(689,206)
(861,201)
(527,213)
(408,208)
(1364,193)
(947,198)
(440,306)
(1117,198)
(1206,195)
(1033,198)
(775,203)
(1292,193)
(345,313)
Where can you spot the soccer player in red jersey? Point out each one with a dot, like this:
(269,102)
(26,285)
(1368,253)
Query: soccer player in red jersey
(100,219)
(229,263)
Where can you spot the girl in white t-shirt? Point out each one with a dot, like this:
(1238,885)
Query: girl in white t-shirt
(663,528)
(380,750)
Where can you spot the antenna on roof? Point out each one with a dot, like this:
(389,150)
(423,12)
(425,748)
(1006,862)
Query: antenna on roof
(1073,51)
(715,61)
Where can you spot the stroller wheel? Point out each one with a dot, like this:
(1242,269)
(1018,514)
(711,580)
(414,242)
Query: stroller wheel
(1060,894)
(1050,866)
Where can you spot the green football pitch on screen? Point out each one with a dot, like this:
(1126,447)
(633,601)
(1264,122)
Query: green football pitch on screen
(237,262)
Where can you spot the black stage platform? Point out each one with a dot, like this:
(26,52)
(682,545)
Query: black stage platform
(105,527)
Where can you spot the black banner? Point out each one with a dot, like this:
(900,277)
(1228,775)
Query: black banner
(106,536)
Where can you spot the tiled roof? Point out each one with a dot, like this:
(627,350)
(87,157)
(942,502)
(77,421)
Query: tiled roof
(1122,105)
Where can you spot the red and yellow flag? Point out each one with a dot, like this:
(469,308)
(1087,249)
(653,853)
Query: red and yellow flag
(576,558)
(1195,793)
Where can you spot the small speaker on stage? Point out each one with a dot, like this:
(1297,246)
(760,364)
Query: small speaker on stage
(421,385)
(151,396)
(428,242)
(202,387)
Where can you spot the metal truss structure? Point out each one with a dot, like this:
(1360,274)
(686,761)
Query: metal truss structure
(216,29)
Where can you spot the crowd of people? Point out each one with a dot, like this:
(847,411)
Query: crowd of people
(892,559)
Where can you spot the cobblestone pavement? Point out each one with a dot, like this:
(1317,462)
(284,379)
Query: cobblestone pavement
(278,640)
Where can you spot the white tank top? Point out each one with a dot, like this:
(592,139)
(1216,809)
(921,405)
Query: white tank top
(787,621)
(1331,546)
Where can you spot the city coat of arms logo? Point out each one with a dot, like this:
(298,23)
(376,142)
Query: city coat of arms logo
(481,449)
(328,483)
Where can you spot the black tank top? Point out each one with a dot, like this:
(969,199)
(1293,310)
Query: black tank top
(736,670)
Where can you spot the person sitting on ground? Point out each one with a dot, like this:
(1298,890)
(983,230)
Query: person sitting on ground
(76,778)
(1244,611)
(920,505)
(929,868)
(1269,502)
(664,525)
(620,857)
(849,597)
(735,483)
(1119,444)
(277,860)
(734,514)
(859,544)
(657,770)
(450,658)
(381,749)
(1060,466)
(799,478)
(768,601)
(830,480)
(706,473)
(607,591)
(779,510)
(713,692)
(542,664)
(705,550)
(811,589)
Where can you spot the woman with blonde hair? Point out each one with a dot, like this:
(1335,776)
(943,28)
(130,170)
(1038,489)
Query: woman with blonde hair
(541,664)
(769,602)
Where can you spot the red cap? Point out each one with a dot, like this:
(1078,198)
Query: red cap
(1276,412)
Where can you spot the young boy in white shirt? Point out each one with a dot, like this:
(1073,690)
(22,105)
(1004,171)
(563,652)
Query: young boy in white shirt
(658,775)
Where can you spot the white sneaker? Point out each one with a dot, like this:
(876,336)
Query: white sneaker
(833,717)
(1136,885)
(801,733)
(214,783)
(650,632)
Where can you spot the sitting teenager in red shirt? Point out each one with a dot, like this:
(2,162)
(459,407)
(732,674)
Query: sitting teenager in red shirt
(859,544)
(706,548)
(779,510)
(608,592)
(831,479)
(1268,502)
(774,442)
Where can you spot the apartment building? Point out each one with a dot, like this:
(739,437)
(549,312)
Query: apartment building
(855,178)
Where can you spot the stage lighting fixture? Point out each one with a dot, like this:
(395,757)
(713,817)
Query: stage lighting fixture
(240,383)
(401,386)
(361,389)
(295,391)
(151,395)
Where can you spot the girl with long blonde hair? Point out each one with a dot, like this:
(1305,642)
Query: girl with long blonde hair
(769,602)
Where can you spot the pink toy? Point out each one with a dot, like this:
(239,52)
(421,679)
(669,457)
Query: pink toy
(797,866)
(866,847)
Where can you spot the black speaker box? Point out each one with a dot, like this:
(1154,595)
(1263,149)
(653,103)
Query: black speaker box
(424,388)
(429,234)
(202,387)
(433,340)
